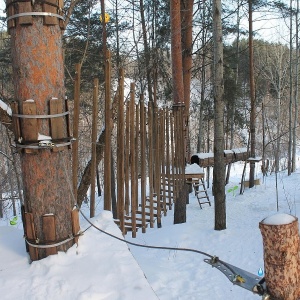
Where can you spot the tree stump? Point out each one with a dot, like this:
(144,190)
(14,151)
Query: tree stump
(280,234)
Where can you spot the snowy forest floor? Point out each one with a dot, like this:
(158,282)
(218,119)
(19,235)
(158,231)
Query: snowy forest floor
(104,268)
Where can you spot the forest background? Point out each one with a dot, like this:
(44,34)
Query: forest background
(138,34)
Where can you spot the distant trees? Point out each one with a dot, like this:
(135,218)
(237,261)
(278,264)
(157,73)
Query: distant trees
(139,36)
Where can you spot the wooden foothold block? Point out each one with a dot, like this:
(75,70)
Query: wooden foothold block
(50,6)
(24,7)
(31,235)
(10,12)
(16,121)
(75,223)
(29,126)
(49,232)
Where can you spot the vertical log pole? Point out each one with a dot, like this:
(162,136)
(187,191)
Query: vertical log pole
(120,153)
(94,140)
(76,128)
(168,162)
(151,161)
(158,165)
(173,156)
(132,160)
(137,157)
(107,151)
(143,161)
(127,163)
(163,158)
(280,234)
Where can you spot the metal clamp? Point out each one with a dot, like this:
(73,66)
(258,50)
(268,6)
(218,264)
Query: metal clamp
(43,14)
(41,116)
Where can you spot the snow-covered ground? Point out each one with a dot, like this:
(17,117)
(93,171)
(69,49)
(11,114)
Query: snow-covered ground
(104,268)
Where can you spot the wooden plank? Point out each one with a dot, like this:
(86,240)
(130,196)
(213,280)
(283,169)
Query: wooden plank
(49,233)
(24,7)
(29,126)
(56,124)
(195,175)
(16,121)
(60,11)
(30,233)
(10,12)
(48,20)
(68,121)
(75,224)
(24,225)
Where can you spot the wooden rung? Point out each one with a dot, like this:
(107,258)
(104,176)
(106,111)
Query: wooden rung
(154,201)
(199,184)
(197,192)
(202,197)
(166,190)
(137,219)
(148,206)
(146,213)
(129,224)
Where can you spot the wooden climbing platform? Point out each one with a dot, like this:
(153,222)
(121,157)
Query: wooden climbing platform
(197,182)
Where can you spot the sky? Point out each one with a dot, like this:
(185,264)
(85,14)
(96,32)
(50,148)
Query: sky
(101,267)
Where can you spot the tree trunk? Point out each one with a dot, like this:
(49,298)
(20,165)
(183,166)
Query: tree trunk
(187,47)
(289,158)
(219,164)
(178,99)
(237,53)
(295,121)
(38,74)
(147,52)
(252,99)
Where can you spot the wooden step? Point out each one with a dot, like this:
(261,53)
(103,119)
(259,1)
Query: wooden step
(203,197)
(129,224)
(200,191)
(137,219)
(146,213)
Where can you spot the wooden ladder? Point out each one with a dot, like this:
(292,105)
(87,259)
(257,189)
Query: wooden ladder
(201,192)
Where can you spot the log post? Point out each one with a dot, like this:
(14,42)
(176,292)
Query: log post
(41,130)
(280,234)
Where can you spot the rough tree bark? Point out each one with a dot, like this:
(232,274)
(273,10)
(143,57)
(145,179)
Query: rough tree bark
(187,47)
(219,165)
(38,74)
(252,99)
(178,99)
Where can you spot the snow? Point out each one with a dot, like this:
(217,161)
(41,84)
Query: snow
(279,219)
(204,155)
(102,267)
(42,137)
(5,107)
(193,169)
